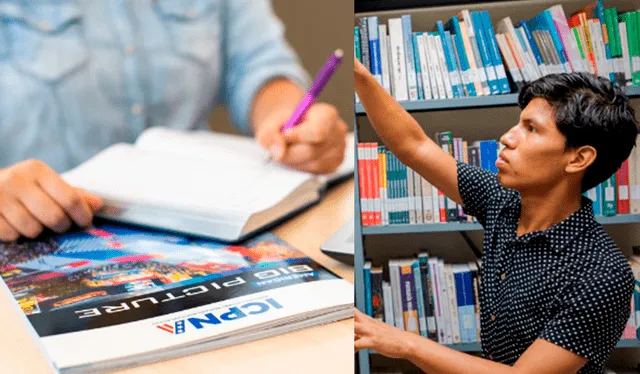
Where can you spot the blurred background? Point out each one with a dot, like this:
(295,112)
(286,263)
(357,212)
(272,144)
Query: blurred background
(315,29)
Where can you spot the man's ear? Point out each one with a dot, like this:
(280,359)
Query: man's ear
(581,158)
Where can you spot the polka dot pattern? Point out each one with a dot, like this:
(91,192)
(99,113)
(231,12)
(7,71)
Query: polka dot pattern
(569,285)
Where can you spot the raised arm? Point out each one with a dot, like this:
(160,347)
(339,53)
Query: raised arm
(404,137)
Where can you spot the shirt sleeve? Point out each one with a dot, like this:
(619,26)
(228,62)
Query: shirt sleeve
(255,51)
(592,316)
(477,188)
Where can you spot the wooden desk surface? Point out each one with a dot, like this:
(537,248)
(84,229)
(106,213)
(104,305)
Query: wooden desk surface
(321,349)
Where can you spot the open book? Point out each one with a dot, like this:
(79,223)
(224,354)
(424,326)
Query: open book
(112,296)
(200,183)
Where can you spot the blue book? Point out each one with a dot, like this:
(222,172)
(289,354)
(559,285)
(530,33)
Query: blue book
(466,303)
(450,59)
(492,79)
(374,49)
(532,42)
(366,269)
(412,79)
(422,319)
(594,195)
(489,155)
(416,63)
(454,27)
(494,52)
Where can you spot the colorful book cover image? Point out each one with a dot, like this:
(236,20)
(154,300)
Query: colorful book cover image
(71,282)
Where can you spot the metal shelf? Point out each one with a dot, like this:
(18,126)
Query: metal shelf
(464,226)
(471,102)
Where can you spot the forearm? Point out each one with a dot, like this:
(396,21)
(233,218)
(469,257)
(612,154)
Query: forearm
(404,137)
(432,357)
(279,94)
(397,129)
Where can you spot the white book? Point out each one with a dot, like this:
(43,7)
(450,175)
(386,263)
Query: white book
(396,36)
(387,303)
(417,196)
(424,67)
(597,43)
(427,201)
(384,59)
(433,270)
(626,62)
(433,72)
(199,183)
(411,196)
(436,204)
(394,278)
(110,296)
(444,301)
(453,303)
(515,72)
(443,67)
(435,61)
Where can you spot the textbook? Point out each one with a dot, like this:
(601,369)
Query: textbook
(112,295)
(200,183)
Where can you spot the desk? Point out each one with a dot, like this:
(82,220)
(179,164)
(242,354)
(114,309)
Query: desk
(321,349)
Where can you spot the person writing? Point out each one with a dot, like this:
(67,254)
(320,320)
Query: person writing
(78,76)
(555,289)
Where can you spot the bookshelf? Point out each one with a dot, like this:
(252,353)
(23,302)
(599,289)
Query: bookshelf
(474,118)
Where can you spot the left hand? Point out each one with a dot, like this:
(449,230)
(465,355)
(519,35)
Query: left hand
(316,145)
(385,339)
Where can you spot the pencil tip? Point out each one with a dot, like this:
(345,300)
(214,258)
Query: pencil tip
(339,53)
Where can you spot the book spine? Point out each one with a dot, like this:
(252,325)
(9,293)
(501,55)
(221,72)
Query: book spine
(375,178)
(374,48)
(417,282)
(400,88)
(367,288)
(364,42)
(409,59)
(634,179)
(494,52)
(454,27)
(417,188)
(427,293)
(442,62)
(357,51)
(424,66)
(453,305)
(450,61)
(362,185)
(382,166)
(377,299)
(388,304)
(408,299)
(492,79)
(474,51)
(438,311)
(623,188)
(626,58)
(609,196)
(427,201)
(416,64)
(444,301)
(394,277)
(384,57)
(410,196)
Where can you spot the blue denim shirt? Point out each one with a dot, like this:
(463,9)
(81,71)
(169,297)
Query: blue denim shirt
(79,75)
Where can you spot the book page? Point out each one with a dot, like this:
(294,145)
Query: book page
(232,150)
(197,182)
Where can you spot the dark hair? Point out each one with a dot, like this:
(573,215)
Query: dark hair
(589,110)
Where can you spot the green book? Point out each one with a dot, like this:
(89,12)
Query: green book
(609,192)
(615,46)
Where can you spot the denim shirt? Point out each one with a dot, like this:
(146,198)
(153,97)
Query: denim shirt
(79,75)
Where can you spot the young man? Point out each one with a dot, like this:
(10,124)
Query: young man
(555,289)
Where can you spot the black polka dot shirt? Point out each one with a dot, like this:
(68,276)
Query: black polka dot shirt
(569,285)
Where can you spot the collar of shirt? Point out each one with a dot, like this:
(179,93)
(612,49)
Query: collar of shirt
(558,236)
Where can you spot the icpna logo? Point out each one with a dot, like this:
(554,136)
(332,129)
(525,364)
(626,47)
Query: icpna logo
(236,312)
(177,328)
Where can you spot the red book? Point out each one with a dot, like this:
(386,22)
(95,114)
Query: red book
(362,184)
(375,177)
(622,176)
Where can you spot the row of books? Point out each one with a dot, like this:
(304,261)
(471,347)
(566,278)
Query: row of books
(440,301)
(426,296)
(392,193)
(466,57)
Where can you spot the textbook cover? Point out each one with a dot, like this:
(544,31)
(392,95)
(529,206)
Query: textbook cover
(112,295)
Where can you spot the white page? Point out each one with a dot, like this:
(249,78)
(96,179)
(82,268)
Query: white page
(233,149)
(210,182)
